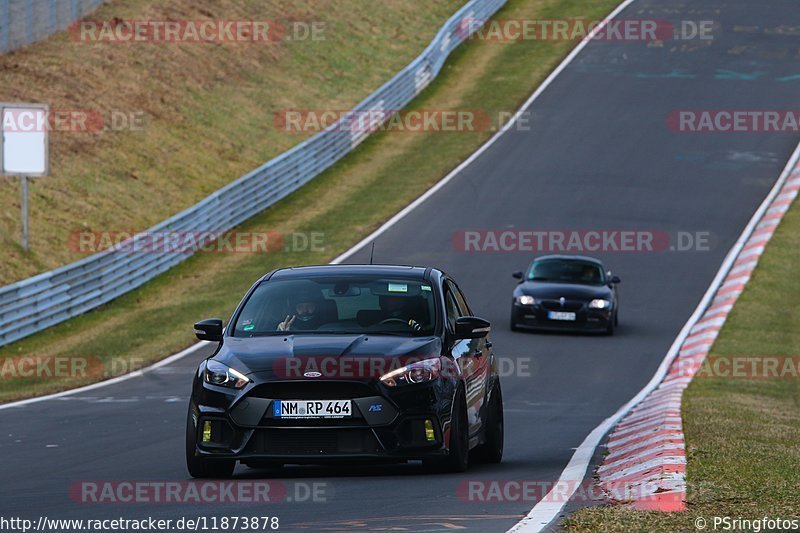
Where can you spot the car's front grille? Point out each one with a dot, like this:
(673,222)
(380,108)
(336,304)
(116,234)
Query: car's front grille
(313,442)
(313,390)
(569,305)
(350,421)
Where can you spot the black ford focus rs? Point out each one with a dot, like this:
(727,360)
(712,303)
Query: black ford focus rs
(345,363)
(560,292)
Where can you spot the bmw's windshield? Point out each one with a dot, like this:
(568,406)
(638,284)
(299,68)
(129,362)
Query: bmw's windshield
(339,305)
(567,271)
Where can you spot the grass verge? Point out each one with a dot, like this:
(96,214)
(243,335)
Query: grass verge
(741,435)
(205,113)
(344,204)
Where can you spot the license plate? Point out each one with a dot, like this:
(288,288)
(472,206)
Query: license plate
(311,408)
(560,315)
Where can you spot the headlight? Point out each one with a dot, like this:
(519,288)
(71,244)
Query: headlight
(525,300)
(414,373)
(218,374)
(599,304)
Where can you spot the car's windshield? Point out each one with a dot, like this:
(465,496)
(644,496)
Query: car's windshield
(339,305)
(567,271)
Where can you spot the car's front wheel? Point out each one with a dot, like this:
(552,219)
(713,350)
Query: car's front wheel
(491,451)
(612,324)
(457,459)
(200,467)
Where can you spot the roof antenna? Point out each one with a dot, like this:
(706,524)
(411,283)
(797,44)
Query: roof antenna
(372,252)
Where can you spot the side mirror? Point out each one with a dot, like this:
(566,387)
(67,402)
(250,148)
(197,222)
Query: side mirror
(517,275)
(209,330)
(614,280)
(472,327)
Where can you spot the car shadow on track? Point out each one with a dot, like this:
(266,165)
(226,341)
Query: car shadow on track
(412,468)
(631,328)
(562,333)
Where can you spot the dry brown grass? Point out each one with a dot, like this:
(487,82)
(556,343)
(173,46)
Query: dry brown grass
(208,109)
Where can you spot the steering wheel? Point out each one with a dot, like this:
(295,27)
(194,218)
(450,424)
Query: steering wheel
(390,320)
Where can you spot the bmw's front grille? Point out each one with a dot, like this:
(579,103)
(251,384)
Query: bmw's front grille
(569,305)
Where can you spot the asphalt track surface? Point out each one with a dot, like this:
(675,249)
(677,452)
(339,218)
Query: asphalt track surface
(598,156)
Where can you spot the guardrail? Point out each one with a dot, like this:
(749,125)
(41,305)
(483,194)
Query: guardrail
(23,22)
(34,304)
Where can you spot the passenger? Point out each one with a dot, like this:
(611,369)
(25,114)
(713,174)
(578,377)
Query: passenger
(307,316)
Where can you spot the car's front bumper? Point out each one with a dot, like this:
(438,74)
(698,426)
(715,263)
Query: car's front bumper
(536,317)
(407,423)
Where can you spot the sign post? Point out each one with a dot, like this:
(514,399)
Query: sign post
(25,231)
(24,139)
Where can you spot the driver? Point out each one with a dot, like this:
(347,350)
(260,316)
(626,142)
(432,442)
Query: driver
(396,307)
(306,306)
(589,274)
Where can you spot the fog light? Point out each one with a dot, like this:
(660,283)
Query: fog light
(429,434)
(207,431)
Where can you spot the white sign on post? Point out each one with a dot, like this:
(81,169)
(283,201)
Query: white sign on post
(24,139)
(24,130)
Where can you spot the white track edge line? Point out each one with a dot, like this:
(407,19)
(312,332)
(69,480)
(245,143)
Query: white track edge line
(544,512)
(358,246)
(580,455)
(100,384)
(372,236)
(485,146)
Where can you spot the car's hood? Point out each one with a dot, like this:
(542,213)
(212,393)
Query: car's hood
(570,291)
(274,353)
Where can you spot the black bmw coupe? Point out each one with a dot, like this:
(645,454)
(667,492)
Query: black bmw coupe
(344,363)
(560,292)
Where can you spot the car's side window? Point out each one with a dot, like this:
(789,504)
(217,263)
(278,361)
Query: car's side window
(460,300)
(451,308)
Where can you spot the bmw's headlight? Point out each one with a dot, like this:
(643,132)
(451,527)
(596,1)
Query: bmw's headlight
(525,299)
(599,304)
(419,372)
(218,374)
